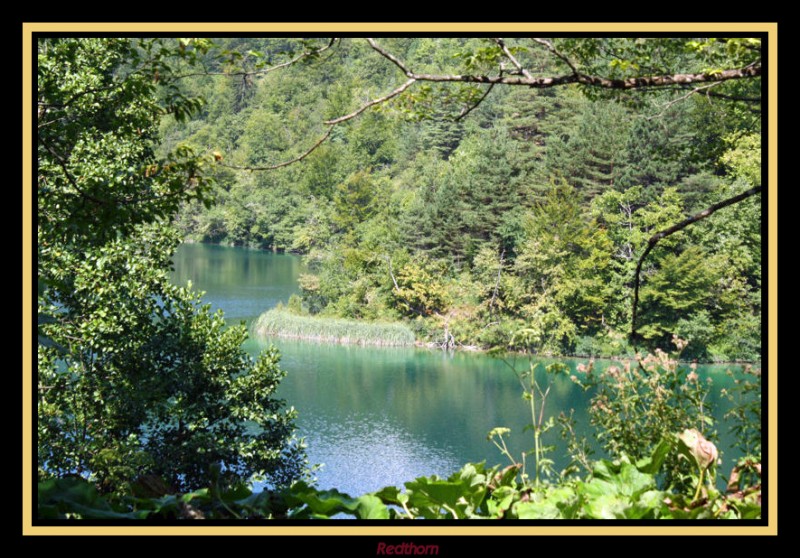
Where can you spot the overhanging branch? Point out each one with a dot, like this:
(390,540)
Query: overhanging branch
(526,79)
(295,60)
(331,123)
(521,77)
(371,103)
(656,238)
(285,163)
(520,69)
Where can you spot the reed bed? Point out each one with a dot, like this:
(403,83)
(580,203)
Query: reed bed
(280,323)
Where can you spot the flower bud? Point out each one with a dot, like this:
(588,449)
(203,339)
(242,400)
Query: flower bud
(695,445)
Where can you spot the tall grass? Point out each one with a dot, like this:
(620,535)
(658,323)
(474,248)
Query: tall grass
(280,323)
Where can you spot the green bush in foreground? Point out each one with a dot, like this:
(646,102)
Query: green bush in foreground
(135,379)
(618,489)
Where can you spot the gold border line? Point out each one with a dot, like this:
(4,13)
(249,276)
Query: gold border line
(342,528)
(772,285)
(27,279)
(382,27)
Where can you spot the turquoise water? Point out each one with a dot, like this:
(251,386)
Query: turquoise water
(374,417)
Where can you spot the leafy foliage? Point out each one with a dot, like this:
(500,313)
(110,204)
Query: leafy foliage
(135,379)
(638,405)
(618,489)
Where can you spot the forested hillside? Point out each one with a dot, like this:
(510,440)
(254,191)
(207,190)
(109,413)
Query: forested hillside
(472,217)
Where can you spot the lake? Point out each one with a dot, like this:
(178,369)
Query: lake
(374,417)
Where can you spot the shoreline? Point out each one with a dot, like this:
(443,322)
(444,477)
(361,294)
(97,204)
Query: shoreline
(430,345)
(301,336)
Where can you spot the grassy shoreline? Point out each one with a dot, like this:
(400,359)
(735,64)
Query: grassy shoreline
(280,323)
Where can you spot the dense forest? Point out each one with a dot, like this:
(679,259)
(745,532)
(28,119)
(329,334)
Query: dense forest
(576,195)
(470,220)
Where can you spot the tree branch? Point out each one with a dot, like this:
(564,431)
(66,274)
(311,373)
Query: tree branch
(295,60)
(549,46)
(332,124)
(752,70)
(71,179)
(734,97)
(466,110)
(389,56)
(691,92)
(285,163)
(651,243)
(371,103)
(523,78)
(501,43)
(391,273)
(77,96)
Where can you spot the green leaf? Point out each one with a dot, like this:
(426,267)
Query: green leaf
(604,506)
(652,464)
(503,497)
(389,495)
(631,481)
(371,507)
(329,503)
(88,512)
(437,492)
(537,510)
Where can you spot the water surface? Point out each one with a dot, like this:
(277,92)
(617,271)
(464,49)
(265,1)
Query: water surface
(381,416)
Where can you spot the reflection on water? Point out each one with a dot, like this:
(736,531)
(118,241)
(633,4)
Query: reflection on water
(241,282)
(382,416)
(378,416)
(364,453)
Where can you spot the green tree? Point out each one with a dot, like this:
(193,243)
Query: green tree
(565,263)
(134,378)
(677,290)
(592,154)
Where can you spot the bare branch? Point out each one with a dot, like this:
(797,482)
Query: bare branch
(285,163)
(389,57)
(391,273)
(295,60)
(733,97)
(682,88)
(691,92)
(49,122)
(752,70)
(549,46)
(522,78)
(371,103)
(595,81)
(332,124)
(464,112)
(78,95)
(651,243)
(513,59)
(540,83)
